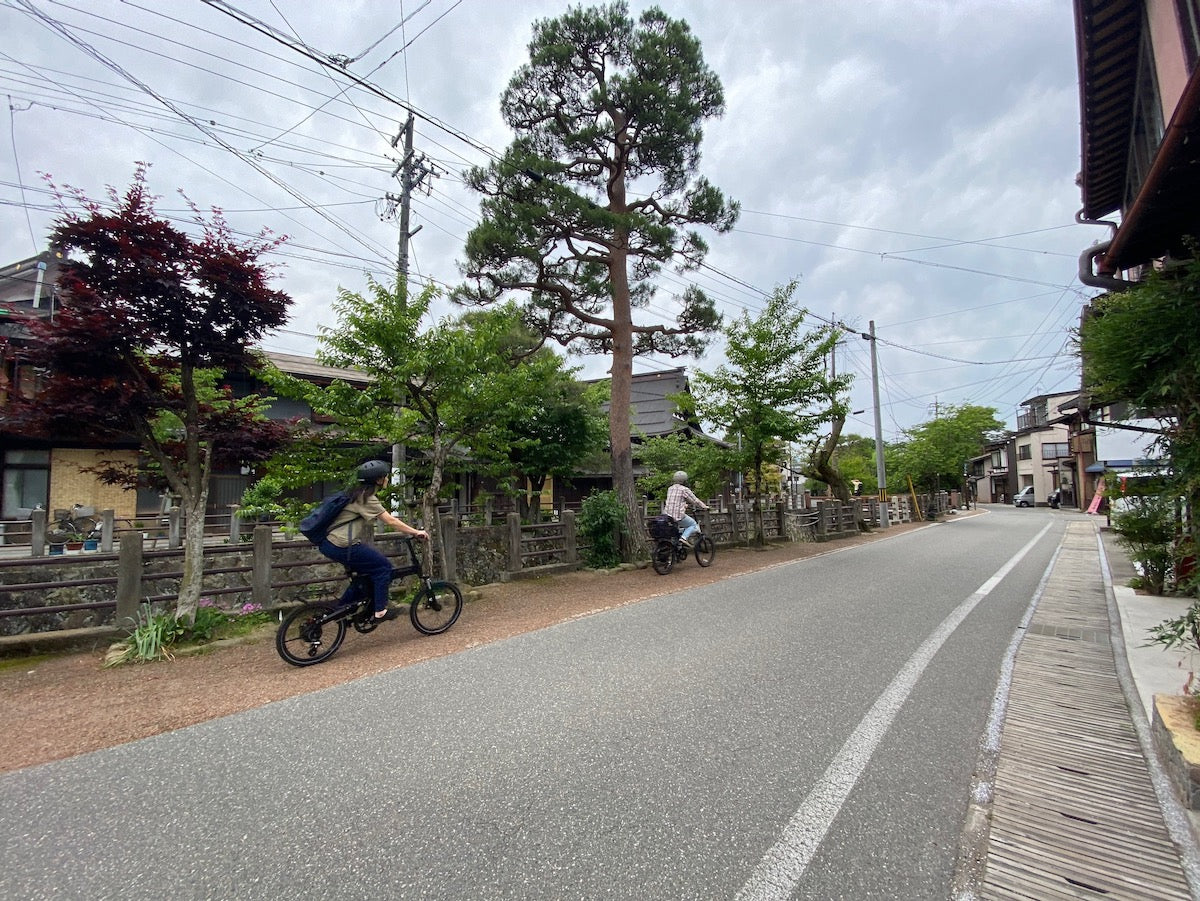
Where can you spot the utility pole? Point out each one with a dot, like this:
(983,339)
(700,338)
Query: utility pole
(880,473)
(412,172)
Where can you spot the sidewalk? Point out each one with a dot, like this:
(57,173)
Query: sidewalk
(1077,804)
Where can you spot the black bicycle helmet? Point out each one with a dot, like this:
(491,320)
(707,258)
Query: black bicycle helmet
(372,471)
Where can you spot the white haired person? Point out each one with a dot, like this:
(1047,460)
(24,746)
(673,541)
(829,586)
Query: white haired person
(344,541)
(679,498)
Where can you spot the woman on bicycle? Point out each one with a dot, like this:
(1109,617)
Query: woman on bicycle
(343,543)
(679,498)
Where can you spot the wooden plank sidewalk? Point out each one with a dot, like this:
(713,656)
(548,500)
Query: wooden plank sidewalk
(1074,813)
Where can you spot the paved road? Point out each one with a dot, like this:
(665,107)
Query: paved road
(806,731)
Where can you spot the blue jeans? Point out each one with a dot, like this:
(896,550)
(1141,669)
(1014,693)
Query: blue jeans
(363,558)
(687,526)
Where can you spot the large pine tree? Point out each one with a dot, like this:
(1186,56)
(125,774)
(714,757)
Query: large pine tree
(598,192)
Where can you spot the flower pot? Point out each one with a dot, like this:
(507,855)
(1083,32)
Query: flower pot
(91,544)
(56,550)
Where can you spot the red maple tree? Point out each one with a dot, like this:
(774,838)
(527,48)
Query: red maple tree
(149,314)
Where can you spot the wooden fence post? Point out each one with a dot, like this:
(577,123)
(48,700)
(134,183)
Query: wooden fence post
(129,576)
(449,547)
(514,542)
(260,568)
(570,537)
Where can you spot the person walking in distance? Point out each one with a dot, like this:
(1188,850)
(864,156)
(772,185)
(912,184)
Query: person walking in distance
(344,542)
(679,498)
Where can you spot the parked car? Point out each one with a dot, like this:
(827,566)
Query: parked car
(1024,497)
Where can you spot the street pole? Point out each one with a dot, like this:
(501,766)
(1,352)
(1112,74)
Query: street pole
(406,186)
(407,182)
(880,473)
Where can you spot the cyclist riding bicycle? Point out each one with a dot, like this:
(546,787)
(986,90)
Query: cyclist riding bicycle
(679,498)
(343,544)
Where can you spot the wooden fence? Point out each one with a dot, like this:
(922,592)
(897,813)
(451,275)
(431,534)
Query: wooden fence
(269,568)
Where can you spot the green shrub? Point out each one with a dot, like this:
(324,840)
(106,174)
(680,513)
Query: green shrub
(600,521)
(1146,528)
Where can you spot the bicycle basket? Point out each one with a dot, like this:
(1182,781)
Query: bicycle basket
(662,527)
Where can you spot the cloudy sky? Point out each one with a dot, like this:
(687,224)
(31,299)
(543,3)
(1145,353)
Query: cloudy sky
(911,163)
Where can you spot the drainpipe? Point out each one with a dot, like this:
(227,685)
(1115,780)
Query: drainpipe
(1087,272)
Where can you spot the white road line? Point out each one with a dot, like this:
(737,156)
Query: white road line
(782,867)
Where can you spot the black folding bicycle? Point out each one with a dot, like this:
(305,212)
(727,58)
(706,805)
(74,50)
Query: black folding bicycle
(313,632)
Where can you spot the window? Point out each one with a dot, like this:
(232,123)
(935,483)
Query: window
(17,378)
(26,482)
(1025,452)
(1055,450)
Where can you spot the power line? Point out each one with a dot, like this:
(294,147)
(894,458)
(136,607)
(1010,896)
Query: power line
(65,32)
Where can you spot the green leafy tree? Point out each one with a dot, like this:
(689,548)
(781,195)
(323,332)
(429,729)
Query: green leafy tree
(856,461)
(1140,347)
(705,462)
(605,103)
(151,316)
(933,453)
(433,390)
(549,427)
(822,463)
(774,388)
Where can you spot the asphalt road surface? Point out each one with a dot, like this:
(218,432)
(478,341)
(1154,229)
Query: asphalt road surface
(807,731)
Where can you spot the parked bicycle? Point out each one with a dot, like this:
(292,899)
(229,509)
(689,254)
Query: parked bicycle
(313,632)
(77,524)
(670,548)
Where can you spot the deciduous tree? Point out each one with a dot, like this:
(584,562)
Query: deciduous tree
(775,388)
(550,426)
(933,454)
(150,316)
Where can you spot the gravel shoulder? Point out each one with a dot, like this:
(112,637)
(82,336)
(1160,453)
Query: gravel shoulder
(59,706)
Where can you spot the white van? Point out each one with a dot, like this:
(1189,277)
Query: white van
(1024,497)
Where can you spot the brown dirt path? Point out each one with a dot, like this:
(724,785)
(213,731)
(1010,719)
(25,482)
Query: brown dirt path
(60,706)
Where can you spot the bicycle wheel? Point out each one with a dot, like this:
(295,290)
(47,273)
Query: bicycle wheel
(705,550)
(303,639)
(87,526)
(436,608)
(663,557)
